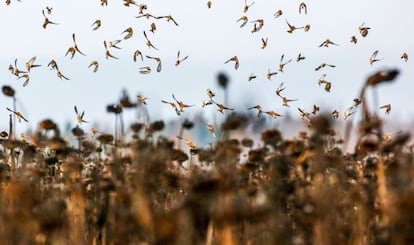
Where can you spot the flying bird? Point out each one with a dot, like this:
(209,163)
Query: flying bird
(373,57)
(129,32)
(95,65)
(178,61)
(79,116)
(47,21)
(236,61)
(244,19)
(18,115)
(96,24)
(327,42)
(158,60)
(302,6)
(30,63)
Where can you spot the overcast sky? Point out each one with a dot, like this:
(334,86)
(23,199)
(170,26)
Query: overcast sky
(209,37)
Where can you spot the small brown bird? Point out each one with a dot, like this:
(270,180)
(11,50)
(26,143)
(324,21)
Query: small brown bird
(327,42)
(404,56)
(145,70)
(74,48)
(258,108)
(278,13)
(357,101)
(153,27)
(173,105)
(209,4)
(95,65)
(300,57)
(222,107)
(354,40)
(30,63)
(302,6)
(264,43)
(47,21)
(387,108)
(104,2)
(280,89)
(146,15)
(211,129)
(363,30)
(205,103)
(26,76)
(244,19)
(158,60)
(270,74)
(96,24)
(328,86)
(315,109)
(141,8)
(180,104)
(142,100)
(350,111)
(53,65)
(247,6)
(18,115)
(129,32)
(258,24)
(251,77)
(138,53)
(61,76)
(107,53)
(335,114)
(281,64)
(322,79)
(129,2)
(114,43)
(285,101)
(49,9)
(168,18)
(323,65)
(149,44)
(189,142)
(306,27)
(15,70)
(210,93)
(373,57)
(178,61)
(292,28)
(273,114)
(79,116)
(236,61)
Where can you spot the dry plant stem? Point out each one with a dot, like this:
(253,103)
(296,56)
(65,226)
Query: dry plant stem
(382,193)
(14,115)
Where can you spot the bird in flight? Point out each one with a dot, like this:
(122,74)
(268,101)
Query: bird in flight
(129,32)
(387,108)
(18,115)
(136,54)
(107,53)
(173,105)
(246,6)
(244,19)
(292,28)
(270,74)
(221,107)
(211,129)
(323,65)
(79,116)
(30,63)
(404,56)
(158,60)
(327,42)
(300,57)
(278,13)
(302,6)
(95,65)
(96,24)
(178,61)
(280,89)
(258,108)
(149,43)
(181,105)
(273,114)
(281,64)
(373,57)
(235,59)
(47,21)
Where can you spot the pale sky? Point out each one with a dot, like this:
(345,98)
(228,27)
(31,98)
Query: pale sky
(209,37)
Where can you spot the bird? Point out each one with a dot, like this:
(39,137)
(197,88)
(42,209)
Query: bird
(153,27)
(27,78)
(302,6)
(258,108)
(158,60)
(222,107)
(315,109)
(251,77)
(335,114)
(210,93)
(280,89)
(129,32)
(281,64)
(258,24)
(323,65)
(244,19)
(18,115)
(300,57)
(205,103)
(104,2)
(149,43)
(53,65)
(141,99)
(327,42)
(354,40)
(209,3)
(236,61)
(278,13)
(173,105)
(210,128)
(292,28)
(363,30)
(285,101)
(306,27)
(373,57)
(61,76)
(96,24)
(180,104)
(168,18)
(145,70)
(349,111)
(247,6)
(107,53)
(72,50)
(79,116)
(264,43)
(273,114)
(146,15)
(14,70)
(404,56)
(113,44)
(328,86)
(95,64)
(138,53)
(47,21)
(49,9)
(357,101)
(141,8)
(322,79)
(30,63)
(270,74)
(189,142)
(387,108)
(178,61)
(128,2)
